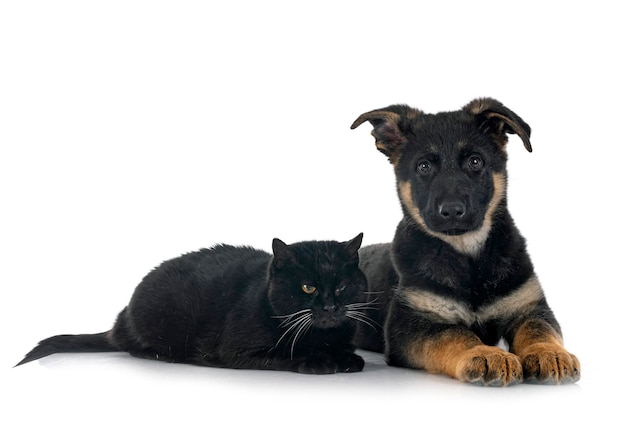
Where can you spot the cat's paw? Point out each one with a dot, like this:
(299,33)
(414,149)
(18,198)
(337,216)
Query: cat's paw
(322,364)
(327,364)
(546,363)
(490,366)
(351,362)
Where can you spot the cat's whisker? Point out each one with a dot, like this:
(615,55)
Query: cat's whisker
(363,305)
(289,321)
(360,316)
(291,314)
(296,323)
(366,321)
(304,326)
(291,317)
(293,326)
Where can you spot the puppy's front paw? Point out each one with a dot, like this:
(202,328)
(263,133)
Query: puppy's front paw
(490,366)
(546,363)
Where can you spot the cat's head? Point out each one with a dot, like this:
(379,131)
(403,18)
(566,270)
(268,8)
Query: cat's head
(316,282)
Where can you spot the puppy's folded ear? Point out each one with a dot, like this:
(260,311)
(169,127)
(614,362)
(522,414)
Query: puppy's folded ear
(390,127)
(498,120)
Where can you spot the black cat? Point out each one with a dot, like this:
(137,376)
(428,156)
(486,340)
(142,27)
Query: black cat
(238,307)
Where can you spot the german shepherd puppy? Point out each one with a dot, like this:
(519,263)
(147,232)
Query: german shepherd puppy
(457,280)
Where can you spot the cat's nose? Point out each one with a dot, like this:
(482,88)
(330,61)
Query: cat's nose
(329,307)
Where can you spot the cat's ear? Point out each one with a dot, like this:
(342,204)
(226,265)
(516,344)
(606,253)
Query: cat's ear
(282,253)
(352,247)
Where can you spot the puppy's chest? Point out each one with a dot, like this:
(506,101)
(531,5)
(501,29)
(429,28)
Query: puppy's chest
(460,290)
(457,280)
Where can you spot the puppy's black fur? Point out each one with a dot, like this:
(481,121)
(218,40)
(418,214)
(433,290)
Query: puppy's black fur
(457,277)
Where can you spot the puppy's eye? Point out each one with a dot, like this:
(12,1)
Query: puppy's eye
(424,167)
(309,289)
(475,163)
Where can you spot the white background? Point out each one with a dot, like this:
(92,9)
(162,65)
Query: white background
(132,132)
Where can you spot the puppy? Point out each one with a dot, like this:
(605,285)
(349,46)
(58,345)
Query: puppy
(457,278)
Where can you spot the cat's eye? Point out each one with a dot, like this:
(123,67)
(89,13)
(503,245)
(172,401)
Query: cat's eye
(340,289)
(308,289)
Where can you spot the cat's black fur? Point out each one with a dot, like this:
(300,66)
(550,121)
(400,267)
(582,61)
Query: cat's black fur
(238,307)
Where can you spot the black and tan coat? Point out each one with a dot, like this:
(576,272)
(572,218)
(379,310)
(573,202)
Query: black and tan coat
(457,280)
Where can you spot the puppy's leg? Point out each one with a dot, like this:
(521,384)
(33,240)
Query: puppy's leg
(544,359)
(459,353)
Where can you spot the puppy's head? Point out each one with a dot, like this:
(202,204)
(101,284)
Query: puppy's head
(450,167)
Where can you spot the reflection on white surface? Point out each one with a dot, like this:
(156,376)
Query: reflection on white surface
(106,392)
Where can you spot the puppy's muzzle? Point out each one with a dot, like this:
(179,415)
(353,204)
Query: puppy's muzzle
(452,211)
(451,215)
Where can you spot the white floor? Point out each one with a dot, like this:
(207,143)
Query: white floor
(116,393)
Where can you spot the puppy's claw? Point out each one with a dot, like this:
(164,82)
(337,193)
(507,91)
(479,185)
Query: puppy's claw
(549,364)
(490,366)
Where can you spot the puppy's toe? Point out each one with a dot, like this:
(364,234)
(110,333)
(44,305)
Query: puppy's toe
(490,366)
(549,364)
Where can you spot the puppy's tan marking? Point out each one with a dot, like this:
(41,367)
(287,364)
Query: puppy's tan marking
(449,311)
(469,243)
(545,360)
(461,144)
(519,302)
(532,332)
(459,354)
(438,308)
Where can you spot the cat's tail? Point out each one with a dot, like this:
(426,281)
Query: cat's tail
(85,343)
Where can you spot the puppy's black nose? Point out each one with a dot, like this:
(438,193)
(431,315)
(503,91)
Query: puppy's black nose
(452,210)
